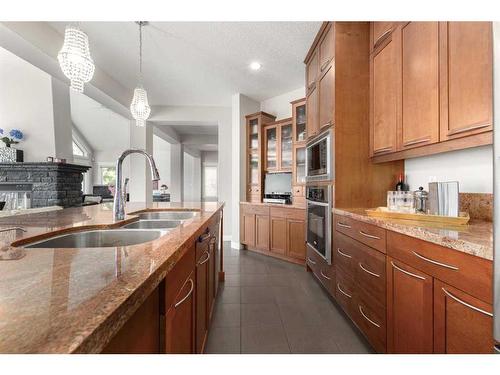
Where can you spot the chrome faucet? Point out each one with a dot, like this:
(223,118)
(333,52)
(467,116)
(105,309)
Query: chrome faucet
(118,202)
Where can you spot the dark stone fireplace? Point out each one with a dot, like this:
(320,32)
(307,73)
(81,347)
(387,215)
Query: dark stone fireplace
(52,183)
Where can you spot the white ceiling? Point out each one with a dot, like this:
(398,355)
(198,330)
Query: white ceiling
(104,129)
(203,63)
(195,129)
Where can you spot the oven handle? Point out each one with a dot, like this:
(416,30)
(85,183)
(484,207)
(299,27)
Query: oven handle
(317,203)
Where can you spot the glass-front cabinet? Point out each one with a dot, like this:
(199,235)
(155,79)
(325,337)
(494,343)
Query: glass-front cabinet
(300,122)
(253,134)
(286,146)
(300,165)
(271,148)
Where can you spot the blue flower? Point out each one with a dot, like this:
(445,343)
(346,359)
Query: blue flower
(1,131)
(16,134)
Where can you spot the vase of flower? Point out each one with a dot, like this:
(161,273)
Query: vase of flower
(8,154)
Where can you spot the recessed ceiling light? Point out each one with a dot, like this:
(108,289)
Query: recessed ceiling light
(255,65)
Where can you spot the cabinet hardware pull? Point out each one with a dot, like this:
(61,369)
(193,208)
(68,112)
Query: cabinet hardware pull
(466,304)
(326,124)
(473,127)
(343,254)
(435,262)
(369,235)
(378,151)
(381,38)
(206,260)
(368,271)
(311,86)
(322,274)
(310,260)
(341,291)
(204,237)
(416,141)
(342,225)
(406,272)
(187,295)
(12,228)
(367,318)
(325,64)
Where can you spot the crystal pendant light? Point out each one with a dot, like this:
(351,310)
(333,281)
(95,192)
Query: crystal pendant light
(74,58)
(139,107)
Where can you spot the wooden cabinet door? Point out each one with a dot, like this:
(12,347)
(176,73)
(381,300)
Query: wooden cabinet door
(384,91)
(409,309)
(247,229)
(327,48)
(462,324)
(262,232)
(296,238)
(420,75)
(312,123)
(466,78)
(180,321)
(312,69)
(278,235)
(326,87)
(201,294)
(271,148)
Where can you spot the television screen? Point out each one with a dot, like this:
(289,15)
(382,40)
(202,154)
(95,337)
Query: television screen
(278,183)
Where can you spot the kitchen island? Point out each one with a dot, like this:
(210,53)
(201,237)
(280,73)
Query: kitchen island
(77,300)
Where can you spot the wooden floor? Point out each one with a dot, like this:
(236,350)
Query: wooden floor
(271,306)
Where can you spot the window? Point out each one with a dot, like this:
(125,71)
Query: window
(108,175)
(78,149)
(209,182)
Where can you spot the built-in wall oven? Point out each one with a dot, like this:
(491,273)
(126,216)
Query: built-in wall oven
(319,216)
(319,163)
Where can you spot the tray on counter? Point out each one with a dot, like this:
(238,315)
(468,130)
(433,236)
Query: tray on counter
(384,212)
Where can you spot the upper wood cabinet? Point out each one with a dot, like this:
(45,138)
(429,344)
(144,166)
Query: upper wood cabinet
(326,48)
(326,87)
(467,78)
(420,82)
(312,71)
(384,98)
(431,88)
(299,120)
(254,150)
(278,146)
(312,110)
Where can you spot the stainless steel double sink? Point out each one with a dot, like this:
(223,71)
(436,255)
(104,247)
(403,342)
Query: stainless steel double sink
(149,227)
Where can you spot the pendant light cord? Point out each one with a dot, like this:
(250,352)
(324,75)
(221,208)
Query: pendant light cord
(140,52)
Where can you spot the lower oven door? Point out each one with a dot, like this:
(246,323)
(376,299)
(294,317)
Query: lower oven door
(319,228)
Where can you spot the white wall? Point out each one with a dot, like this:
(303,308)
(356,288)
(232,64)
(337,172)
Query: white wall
(472,168)
(63,125)
(280,105)
(161,154)
(210,157)
(192,178)
(26,104)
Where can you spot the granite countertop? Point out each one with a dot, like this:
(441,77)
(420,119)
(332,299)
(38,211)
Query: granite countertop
(476,238)
(293,205)
(75,300)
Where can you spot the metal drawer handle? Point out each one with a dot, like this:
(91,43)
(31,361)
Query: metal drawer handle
(187,295)
(310,260)
(416,141)
(367,318)
(342,225)
(406,272)
(12,228)
(343,254)
(325,64)
(204,237)
(381,37)
(434,262)
(466,304)
(341,291)
(368,271)
(322,274)
(206,260)
(385,149)
(326,124)
(473,127)
(369,235)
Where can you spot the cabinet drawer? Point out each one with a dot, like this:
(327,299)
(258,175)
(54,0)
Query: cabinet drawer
(370,318)
(254,209)
(463,271)
(345,254)
(326,275)
(288,213)
(368,234)
(312,259)
(371,273)
(344,291)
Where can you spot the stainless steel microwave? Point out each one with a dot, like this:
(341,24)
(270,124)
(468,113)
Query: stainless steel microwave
(319,158)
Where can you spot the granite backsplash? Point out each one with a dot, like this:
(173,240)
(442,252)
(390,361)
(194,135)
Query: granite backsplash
(478,205)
